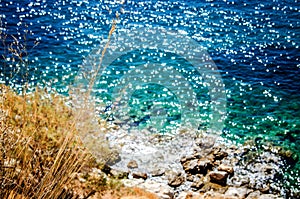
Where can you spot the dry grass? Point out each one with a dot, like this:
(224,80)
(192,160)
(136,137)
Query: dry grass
(39,148)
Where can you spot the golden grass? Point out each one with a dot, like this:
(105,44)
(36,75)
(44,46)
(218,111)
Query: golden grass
(39,148)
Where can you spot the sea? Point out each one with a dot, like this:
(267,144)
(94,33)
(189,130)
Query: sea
(253,50)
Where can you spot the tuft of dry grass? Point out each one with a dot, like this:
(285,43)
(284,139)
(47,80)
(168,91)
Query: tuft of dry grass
(39,149)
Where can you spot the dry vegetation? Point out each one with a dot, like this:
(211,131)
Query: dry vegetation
(39,149)
(41,155)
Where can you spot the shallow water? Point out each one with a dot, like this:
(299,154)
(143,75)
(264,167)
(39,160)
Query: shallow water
(255,47)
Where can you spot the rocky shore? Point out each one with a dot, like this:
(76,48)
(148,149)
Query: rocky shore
(212,169)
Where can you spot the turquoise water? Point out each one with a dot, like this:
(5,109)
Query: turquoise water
(255,47)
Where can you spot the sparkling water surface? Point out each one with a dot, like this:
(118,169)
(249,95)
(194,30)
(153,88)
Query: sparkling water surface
(255,46)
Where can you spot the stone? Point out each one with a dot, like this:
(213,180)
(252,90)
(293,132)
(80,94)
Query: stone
(254,195)
(119,174)
(268,196)
(204,165)
(191,166)
(132,164)
(190,177)
(239,180)
(264,188)
(198,184)
(140,175)
(219,177)
(188,195)
(157,172)
(162,190)
(213,187)
(132,182)
(219,155)
(226,168)
(239,192)
(215,195)
(175,179)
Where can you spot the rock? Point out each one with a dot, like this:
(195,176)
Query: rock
(239,192)
(119,174)
(132,182)
(213,187)
(190,177)
(204,165)
(158,172)
(239,180)
(264,188)
(191,166)
(162,190)
(140,175)
(218,177)
(132,164)
(188,195)
(186,158)
(226,168)
(268,196)
(219,155)
(254,195)
(198,184)
(175,179)
(214,195)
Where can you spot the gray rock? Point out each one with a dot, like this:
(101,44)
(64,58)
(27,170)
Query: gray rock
(218,177)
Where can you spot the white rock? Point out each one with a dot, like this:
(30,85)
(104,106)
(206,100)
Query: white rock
(239,192)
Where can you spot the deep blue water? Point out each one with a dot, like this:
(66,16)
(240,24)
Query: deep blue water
(255,46)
